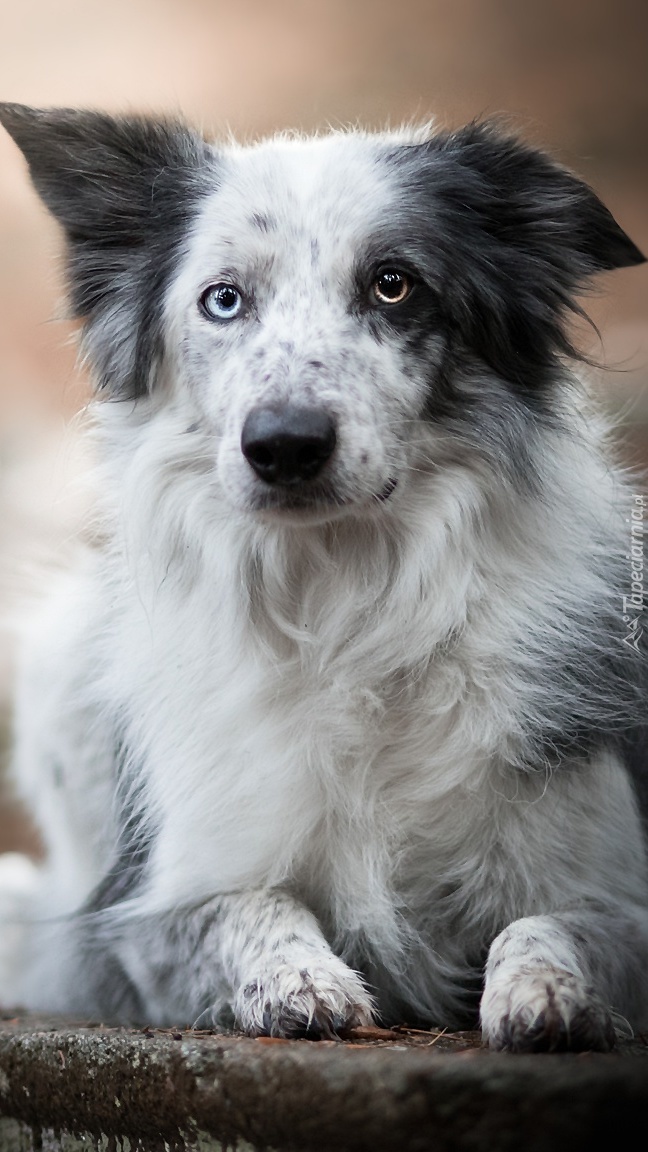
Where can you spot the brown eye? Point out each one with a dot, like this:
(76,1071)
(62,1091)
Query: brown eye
(391,287)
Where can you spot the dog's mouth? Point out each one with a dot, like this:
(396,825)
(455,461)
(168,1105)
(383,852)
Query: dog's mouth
(316,500)
(390,486)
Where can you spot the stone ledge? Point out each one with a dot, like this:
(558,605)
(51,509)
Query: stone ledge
(66,1087)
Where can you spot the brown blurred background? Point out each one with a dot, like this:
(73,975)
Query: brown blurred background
(571,74)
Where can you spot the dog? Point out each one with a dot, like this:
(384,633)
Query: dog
(340,722)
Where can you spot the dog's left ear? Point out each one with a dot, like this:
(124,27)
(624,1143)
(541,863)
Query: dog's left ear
(123,189)
(529,201)
(520,236)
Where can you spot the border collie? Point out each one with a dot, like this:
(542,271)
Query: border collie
(341,720)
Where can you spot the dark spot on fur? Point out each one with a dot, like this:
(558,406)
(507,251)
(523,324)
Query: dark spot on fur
(262,222)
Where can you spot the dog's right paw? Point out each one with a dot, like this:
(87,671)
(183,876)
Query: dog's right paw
(319,1000)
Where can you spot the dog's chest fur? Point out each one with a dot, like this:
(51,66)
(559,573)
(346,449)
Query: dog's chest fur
(297,725)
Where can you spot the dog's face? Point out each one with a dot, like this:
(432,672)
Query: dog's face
(342,315)
(296,316)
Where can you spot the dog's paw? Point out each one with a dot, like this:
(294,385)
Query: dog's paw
(544,1010)
(319,1000)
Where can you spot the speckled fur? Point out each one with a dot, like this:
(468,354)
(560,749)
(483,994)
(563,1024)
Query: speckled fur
(312,756)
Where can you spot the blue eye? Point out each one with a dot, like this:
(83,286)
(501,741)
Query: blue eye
(221,302)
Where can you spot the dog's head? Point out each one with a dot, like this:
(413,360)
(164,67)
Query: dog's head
(340,315)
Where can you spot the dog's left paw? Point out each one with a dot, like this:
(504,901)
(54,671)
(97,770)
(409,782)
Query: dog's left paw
(316,1001)
(544,1010)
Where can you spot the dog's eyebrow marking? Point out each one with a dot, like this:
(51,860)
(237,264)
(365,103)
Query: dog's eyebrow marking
(263,223)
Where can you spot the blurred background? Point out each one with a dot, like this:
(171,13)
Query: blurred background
(571,75)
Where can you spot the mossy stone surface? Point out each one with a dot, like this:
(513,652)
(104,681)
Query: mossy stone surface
(65,1087)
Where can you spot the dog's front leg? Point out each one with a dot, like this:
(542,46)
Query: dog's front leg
(259,957)
(287,980)
(552,982)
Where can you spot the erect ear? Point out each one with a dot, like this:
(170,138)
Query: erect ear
(521,235)
(124,189)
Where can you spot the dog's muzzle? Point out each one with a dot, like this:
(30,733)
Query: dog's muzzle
(286,444)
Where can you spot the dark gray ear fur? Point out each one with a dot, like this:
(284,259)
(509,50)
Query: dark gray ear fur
(519,236)
(125,190)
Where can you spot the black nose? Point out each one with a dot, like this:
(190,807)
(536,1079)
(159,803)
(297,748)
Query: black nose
(286,444)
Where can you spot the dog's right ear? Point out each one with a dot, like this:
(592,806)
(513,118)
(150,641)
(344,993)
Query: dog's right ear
(124,189)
